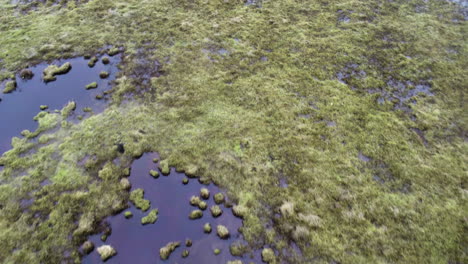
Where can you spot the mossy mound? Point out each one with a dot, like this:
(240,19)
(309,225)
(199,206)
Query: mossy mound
(151,218)
(92,85)
(136,197)
(52,71)
(222,232)
(10,86)
(196,214)
(166,251)
(216,211)
(106,252)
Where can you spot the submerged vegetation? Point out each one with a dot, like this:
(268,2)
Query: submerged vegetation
(338,128)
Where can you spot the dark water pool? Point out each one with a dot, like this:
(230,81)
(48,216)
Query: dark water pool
(136,243)
(18,108)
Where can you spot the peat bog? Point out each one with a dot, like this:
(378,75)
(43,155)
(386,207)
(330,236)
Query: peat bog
(20,106)
(138,243)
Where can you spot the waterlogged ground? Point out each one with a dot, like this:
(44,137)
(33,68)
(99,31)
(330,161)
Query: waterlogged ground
(19,107)
(137,243)
(339,128)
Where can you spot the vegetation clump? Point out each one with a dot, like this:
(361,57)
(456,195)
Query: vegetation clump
(87,247)
(53,70)
(26,74)
(103,74)
(222,232)
(166,251)
(216,211)
(202,205)
(196,214)
(92,61)
(44,107)
(188,242)
(218,198)
(205,193)
(136,197)
(195,200)
(68,109)
(106,252)
(105,60)
(185,253)
(92,85)
(268,256)
(207,228)
(150,218)
(10,86)
(154,173)
(128,214)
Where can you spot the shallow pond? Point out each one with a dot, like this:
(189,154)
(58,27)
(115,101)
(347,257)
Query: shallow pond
(137,243)
(18,108)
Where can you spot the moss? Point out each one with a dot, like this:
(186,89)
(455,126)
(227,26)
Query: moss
(205,193)
(125,184)
(99,96)
(87,109)
(87,247)
(222,232)
(216,211)
(26,74)
(155,160)
(185,253)
(154,173)
(216,251)
(105,60)
(92,61)
(136,197)
(68,109)
(255,122)
(185,181)
(44,107)
(218,198)
(10,86)
(166,251)
(188,242)
(195,200)
(103,75)
(207,228)
(51,71)
(92,85)
(238,249)
(106,252)
(268,256)
(164,167)
(202,205)
(196,214)
(239,211)
(128,214)
(113,51)
(150,218)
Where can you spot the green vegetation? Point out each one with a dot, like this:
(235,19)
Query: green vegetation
(10,86)
(165,252)
(150,218)
(154,173)
(293,100)
(128,214)
(207,228)
(92,85)
(196,214)
(218,198)
(136,197)
(106,252)
(51,71)
(103,74)
(216,211)
(222,231)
